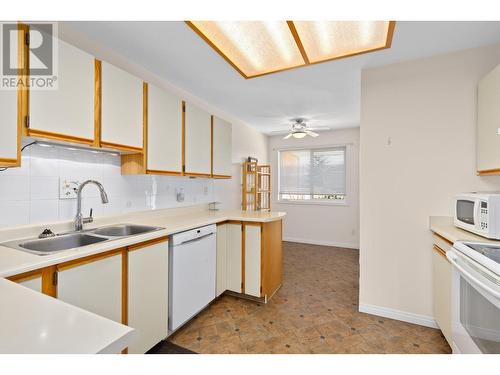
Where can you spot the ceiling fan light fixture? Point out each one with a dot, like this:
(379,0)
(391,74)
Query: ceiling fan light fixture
(299,134)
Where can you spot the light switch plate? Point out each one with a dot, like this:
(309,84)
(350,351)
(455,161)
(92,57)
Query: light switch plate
(68,188)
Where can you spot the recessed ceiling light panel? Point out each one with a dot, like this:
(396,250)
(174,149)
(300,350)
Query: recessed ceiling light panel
(252,47)
(327,40)
(255,48)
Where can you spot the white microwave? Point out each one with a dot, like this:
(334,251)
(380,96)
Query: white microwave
(478,213)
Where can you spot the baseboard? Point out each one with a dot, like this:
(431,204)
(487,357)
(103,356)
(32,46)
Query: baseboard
(422,320)
(323,243)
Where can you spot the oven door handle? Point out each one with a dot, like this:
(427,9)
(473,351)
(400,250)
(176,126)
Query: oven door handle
(453,260)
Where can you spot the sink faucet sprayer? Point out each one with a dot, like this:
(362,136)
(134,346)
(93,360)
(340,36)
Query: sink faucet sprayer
(79,219)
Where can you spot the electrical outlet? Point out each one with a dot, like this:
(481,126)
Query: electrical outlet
(68,188)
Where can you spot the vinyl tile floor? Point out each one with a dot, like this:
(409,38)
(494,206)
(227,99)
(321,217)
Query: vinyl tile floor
(315,311)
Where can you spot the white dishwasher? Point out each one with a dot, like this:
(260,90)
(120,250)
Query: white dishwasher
(192,267)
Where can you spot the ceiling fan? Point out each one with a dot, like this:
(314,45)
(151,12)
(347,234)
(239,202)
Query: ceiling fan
(300,129)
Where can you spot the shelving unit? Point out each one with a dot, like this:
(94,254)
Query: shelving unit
(256,189)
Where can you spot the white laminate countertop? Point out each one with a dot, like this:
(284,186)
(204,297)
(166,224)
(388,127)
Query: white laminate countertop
(443,226)
(13,262)
(33,323)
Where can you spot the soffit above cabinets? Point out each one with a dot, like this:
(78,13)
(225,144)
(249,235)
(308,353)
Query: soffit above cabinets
(256,48)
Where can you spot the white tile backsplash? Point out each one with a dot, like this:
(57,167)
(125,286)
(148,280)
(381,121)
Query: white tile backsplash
(30,194)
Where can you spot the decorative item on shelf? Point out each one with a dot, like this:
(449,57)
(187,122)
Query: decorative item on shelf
(256,186)
(180,195)
(212,206)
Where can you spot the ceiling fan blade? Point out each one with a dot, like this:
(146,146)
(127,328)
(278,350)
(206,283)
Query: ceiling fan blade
(288,136)
(319,128)
(312,134)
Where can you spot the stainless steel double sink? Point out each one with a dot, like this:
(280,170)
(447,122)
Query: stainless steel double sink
(71,240)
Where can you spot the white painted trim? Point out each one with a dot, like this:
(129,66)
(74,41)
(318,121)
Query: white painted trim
(323,243)
(404,316)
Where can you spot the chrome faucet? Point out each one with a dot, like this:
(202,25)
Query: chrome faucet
(79,219)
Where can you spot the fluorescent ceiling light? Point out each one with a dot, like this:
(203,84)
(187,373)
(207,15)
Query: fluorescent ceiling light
(327,40)
(256,48)
(252,47)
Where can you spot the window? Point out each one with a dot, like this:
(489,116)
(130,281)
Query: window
(312,175)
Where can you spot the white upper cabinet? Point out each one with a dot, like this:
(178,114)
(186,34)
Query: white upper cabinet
(222,149)
(121,108)
(164,131)
(197,143)
(488,123)
(67,111)
(9,127)
(8,122)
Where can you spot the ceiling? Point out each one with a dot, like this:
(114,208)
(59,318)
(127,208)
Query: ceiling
(327,94)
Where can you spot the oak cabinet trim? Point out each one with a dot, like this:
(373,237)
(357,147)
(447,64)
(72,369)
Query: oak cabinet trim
(488,172)
(59,137)
(440,252)
(166,173)
(147,243)
(97,101)
(88,259)
(25,276)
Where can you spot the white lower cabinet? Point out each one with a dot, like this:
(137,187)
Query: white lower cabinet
(234,274)
(94,285)
(35,284)
(221,271)
(441,285)
(148,295)
(252,260)
(230,261)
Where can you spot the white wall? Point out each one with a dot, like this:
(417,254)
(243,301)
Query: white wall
(246,142)
(417,151)
(333,225)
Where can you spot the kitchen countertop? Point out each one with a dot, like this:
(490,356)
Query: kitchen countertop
(444,227)
(32,322)
(13,262)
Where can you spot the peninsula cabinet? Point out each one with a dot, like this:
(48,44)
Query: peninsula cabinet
(488,124)
(197,141)
(31,280)
(148,293)
(93,283)
(234,257)
(66,113)
(164,135)
(221,148)
(249,258)
(221,263)
(121,108)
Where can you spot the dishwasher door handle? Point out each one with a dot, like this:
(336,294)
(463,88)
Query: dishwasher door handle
(195,239)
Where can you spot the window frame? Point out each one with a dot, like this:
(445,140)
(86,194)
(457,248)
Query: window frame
(319,202)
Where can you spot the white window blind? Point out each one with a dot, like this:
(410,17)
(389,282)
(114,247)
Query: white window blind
(312,174)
